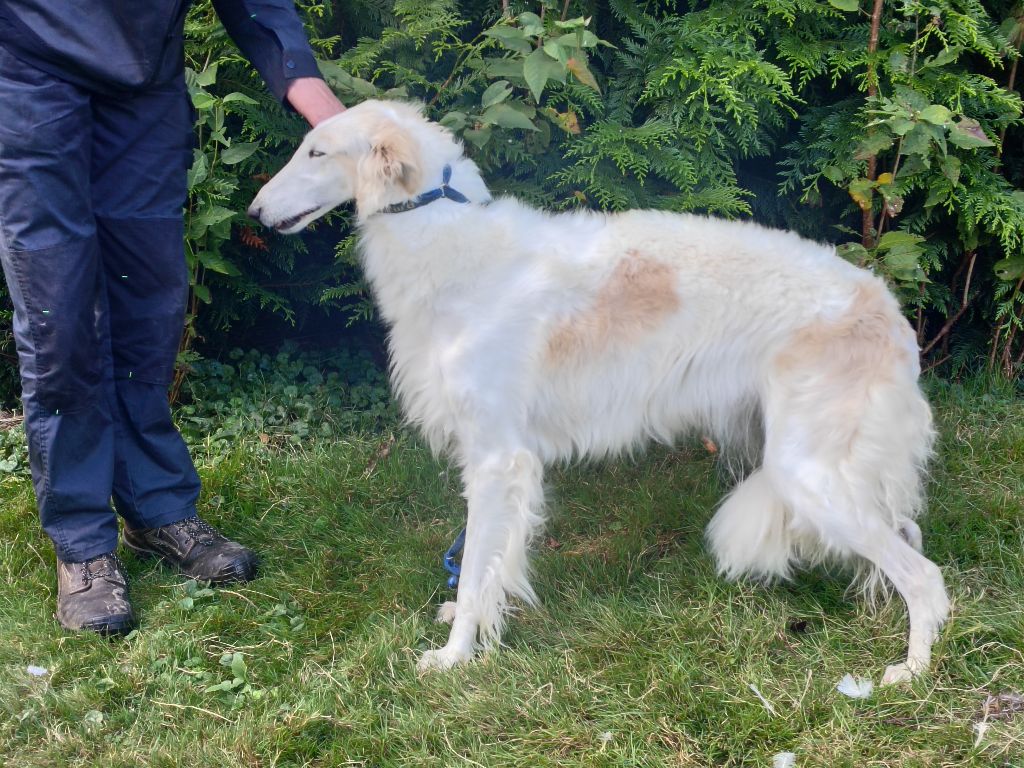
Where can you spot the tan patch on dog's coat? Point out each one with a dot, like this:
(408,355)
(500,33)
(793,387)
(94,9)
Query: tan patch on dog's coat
(638,295)
(850,346)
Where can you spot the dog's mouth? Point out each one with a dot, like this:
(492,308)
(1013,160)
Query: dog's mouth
(291,221)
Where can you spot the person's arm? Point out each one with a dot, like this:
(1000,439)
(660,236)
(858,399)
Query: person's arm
(311,98)
(270,34)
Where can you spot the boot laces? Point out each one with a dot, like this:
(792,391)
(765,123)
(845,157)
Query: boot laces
(101,566)
(200,530)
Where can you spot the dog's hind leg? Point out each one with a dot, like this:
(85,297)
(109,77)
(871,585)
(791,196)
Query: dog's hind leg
(919,581)
(847,434)
(827,517)
(851,482)
(505,500)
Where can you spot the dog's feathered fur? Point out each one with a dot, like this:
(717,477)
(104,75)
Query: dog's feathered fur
(519,338)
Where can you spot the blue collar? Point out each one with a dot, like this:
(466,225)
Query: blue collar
(443,192)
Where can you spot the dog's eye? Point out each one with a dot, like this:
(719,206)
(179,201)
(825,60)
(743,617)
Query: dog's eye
(315,153)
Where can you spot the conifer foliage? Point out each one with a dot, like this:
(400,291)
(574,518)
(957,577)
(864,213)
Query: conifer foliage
(892,128)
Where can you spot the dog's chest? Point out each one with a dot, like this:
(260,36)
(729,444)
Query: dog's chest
(419,352)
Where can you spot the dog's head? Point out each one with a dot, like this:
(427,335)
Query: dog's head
(372,153)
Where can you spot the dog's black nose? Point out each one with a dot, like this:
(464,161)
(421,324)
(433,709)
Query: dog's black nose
(254,212)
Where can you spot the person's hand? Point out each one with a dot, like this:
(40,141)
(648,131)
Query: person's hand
(312,99)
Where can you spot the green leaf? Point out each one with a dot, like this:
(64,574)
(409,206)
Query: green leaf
(903,258)
(538,69)
(901,125)
(505,116)
(506,32)
(943,57)
(235,96)
(845,5)
(213,214)
(454,121)
(495,94)
(912,166)
(530,23)
(583,39)
(236,153)
(238,668)
(898,61)
(912,98)
(208,76)
(950,167)
(898,239)
(93,718)
(510,67)
(557,52)
(917,142)
(217,263)
(201,100)
(833,173)
(576,23)
(938,134)
(339,78)
(512,38)
(935,114)
(967,133)
(202,293)
(478,137)
(200,169)
(861,190)
(853,252)
(873,144)
(225,686)
(1010,269)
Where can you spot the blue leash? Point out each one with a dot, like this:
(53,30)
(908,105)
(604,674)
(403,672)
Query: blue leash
(454,568)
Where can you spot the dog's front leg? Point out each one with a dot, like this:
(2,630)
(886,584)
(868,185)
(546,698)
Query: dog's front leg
(505,500)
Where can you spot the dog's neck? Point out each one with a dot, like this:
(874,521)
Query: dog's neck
(409,255)
(455,180)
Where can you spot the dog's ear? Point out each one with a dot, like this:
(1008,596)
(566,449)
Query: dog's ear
(393,159)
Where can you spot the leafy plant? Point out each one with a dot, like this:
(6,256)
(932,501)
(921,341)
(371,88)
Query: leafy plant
(892,128)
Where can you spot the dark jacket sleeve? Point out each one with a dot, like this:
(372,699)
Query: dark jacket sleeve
(269,34)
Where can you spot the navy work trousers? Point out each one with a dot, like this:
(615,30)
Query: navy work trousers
(91,240)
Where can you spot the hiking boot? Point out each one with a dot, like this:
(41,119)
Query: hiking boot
(93,595)
(195,548)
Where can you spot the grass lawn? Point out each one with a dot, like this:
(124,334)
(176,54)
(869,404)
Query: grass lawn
(639,655)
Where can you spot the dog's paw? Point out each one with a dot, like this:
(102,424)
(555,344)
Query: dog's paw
(446,612)
(897,673)
(442,659)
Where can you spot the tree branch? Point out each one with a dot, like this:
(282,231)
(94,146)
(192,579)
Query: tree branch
(867,217)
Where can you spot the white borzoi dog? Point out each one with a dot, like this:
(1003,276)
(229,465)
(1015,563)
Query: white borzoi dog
(520,338)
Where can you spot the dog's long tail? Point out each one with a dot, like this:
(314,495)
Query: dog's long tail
(750,533)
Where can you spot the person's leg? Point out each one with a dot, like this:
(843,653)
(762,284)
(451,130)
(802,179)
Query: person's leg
(50,258)
(141,153)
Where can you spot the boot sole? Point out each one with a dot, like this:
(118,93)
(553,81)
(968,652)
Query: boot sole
(114,627)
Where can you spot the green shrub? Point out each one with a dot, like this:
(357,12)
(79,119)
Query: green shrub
(897,137)
(283,398)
